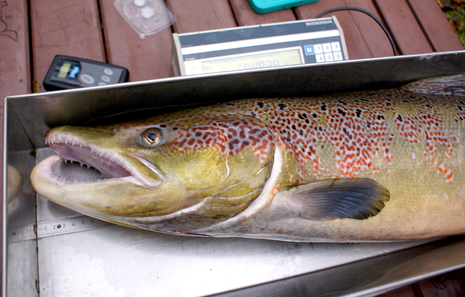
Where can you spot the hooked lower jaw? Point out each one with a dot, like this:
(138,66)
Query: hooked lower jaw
(55,168)
(111,167)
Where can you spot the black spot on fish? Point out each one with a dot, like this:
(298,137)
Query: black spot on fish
(260,104)
(301,132)
(261,134)
(175,128)
(365,100)
(312,150)
(399,118)
(389,95)
(368,124)
(323,107)
(388,104)
(381,117)
(346,133)
(358,112)
(282,106)
(429,106)
(294,127)
(254,114)
(459,107)
(162,126)
(231,104)
(307,121)
(388,99)
(319,128)
(300,116)
(315,128)
(315,115)
(345,103)
(341,112)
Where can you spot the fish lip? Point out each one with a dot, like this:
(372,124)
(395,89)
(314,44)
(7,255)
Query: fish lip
(70,142)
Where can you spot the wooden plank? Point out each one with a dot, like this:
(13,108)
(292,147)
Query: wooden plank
(374,36)
(407,291)
(245,16)
(356,45)
(14,64)
(148,58)
(15,73)
(404,27)
(436,26)
(445,285)
(200,15)
(65,27)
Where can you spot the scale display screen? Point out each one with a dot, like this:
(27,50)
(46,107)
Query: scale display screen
(259,60)
(255,47)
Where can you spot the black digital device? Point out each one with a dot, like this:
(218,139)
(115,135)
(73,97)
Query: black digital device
(71,72)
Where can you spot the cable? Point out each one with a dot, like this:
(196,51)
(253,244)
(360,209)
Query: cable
(367,13)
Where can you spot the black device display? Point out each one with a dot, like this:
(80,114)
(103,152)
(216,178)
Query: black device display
(71,72)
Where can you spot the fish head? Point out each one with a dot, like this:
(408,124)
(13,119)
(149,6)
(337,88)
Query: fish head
(206,166)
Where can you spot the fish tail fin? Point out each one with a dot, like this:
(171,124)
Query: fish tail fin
(445,86)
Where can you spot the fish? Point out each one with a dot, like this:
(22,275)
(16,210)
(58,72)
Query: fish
(365,166)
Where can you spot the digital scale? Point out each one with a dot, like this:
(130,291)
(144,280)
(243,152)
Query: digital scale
(262,46)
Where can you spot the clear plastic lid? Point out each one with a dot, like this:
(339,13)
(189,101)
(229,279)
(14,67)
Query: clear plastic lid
(146,17)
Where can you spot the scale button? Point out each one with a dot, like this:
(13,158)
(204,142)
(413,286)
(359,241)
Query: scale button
(309,50)
(329,57)
(108,71)
(336,46)
(320,58)
(318,48)
(327,47)
(147,12)
(105,78)
(337,56)
(86,78)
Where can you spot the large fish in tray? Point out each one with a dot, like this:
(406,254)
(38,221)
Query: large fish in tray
(365,166)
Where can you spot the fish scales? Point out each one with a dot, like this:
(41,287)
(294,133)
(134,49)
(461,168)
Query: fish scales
(362,166)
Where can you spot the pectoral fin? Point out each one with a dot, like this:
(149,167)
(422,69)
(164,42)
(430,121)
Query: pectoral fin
(354,198)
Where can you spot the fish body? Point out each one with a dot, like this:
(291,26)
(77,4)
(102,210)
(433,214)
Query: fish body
(352,167)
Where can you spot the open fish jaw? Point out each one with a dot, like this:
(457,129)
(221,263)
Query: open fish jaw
(75,150)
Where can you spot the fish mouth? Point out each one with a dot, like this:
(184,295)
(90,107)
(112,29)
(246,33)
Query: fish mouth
(81,163)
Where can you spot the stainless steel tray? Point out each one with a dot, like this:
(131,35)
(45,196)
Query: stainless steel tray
(52,251)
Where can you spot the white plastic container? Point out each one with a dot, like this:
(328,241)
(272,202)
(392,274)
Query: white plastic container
(146,17)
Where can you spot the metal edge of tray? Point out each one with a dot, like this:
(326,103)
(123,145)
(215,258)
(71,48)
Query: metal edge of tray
(368,277)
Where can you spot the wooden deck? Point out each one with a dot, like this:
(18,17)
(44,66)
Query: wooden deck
(33,32)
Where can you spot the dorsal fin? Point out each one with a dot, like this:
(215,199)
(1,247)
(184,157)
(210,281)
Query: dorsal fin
(445,86)
(354,198)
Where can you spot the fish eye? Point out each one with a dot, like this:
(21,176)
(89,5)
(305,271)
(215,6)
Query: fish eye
(150,138)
